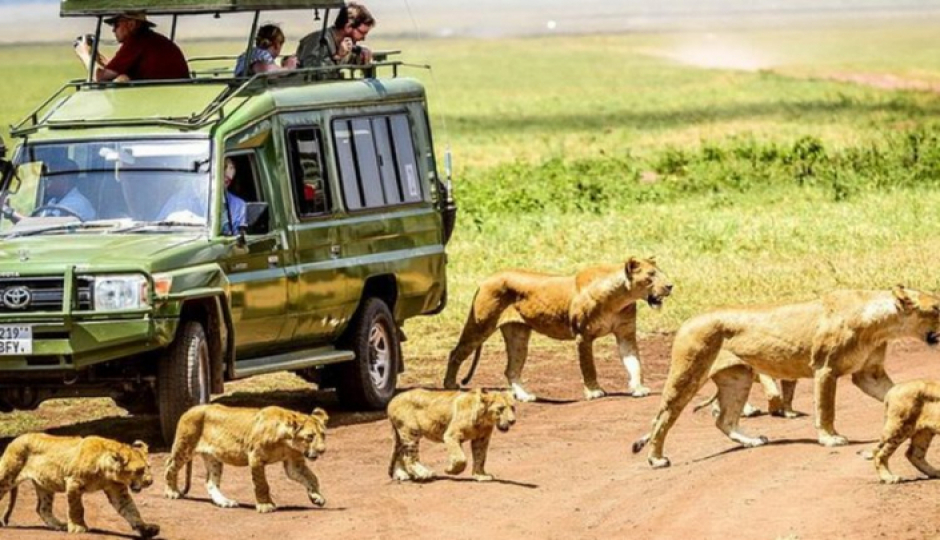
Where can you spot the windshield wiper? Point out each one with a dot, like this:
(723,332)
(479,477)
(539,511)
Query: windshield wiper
(138,225)
(68,227)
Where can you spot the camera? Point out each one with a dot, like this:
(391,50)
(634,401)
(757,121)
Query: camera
(88,39)
(357,50)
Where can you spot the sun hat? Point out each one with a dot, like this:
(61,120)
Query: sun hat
(132,15)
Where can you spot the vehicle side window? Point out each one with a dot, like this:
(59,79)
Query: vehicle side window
(376,161)
(308,174)
(240,175)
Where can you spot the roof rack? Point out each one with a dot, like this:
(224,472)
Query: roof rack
(215,111)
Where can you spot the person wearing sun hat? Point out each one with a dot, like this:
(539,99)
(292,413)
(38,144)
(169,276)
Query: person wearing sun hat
(144,54)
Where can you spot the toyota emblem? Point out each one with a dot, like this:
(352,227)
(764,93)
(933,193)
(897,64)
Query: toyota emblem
(16,297)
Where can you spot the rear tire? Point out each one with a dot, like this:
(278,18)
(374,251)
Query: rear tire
(369,381)
(182,376)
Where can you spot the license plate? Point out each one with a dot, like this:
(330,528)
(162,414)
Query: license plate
(16,339)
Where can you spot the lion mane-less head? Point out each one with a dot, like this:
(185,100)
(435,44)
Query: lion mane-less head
(127,465)
(306,433)
(494,408)
(644,274)
(923,310)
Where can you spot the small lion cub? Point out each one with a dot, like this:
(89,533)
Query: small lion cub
(451,417)
(76,465)
(252,437)
(912,411)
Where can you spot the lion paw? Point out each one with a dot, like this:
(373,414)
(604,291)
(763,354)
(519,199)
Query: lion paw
(317,499)
(148,530)
(640,391)
(170,493)
(751,411)
(265,508)
(420,473)
(833,440)
(76,528)
(890,479)
(659,463)
(456,466)
(451,384)
(483,477)
(223,502)
(593,393)
(401,475)
(760,440)
(520,394)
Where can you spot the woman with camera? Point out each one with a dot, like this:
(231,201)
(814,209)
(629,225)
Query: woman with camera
(339,45)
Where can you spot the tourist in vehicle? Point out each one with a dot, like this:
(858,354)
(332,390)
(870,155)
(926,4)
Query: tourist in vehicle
(268,44)
(144,54)
(61,197)
(234,205)
(339,45)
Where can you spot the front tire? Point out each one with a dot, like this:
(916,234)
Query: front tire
(369,381)
(182,376)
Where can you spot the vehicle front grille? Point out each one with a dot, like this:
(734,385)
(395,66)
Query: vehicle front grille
(31,294)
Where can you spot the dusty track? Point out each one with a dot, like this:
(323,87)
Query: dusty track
(564,471)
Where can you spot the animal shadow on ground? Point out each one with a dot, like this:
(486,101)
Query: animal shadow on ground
(471,480)
(288,508)
(126,429)
(778,442)
(90,531)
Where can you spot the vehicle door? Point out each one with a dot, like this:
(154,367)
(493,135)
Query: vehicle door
(317,291)
(256,264)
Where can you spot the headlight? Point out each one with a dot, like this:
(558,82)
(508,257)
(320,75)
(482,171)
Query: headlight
(128,291)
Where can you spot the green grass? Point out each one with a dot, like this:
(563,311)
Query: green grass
(749,186)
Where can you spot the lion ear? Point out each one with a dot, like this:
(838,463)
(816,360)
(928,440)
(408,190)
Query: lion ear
(142,446)
(903,298)
(320,415)
(631,266)
(113,461)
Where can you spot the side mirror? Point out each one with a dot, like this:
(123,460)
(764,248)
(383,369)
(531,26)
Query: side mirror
(256,218)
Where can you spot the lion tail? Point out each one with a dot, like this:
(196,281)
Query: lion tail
(705,403)
(473,366)
(11,502)
(189,478)
(640,443)
(11,464)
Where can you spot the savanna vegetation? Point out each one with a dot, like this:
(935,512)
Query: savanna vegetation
(751,186)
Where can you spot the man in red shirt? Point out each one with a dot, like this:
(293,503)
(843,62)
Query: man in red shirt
(144,54)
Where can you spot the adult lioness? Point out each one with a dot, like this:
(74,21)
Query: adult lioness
(252,437)
(593,303)
(76,465)
(842,333)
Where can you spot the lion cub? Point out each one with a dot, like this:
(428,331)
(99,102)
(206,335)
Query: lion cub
(252,437)
(76,465)
(451,417)
(912,411)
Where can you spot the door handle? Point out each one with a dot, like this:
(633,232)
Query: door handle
(334,250)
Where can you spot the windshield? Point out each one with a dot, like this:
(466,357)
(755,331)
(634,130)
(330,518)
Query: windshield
(146,181)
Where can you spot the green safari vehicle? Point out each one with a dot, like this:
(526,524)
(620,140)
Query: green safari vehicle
(143,288)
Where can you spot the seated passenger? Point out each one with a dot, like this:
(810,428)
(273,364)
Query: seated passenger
(268,45)
(144,54)
(234,205)
(61,198)
(339,45)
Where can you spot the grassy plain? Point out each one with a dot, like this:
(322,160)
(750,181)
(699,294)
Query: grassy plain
(750,186)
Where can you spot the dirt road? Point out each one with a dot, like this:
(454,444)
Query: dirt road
(564,471)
